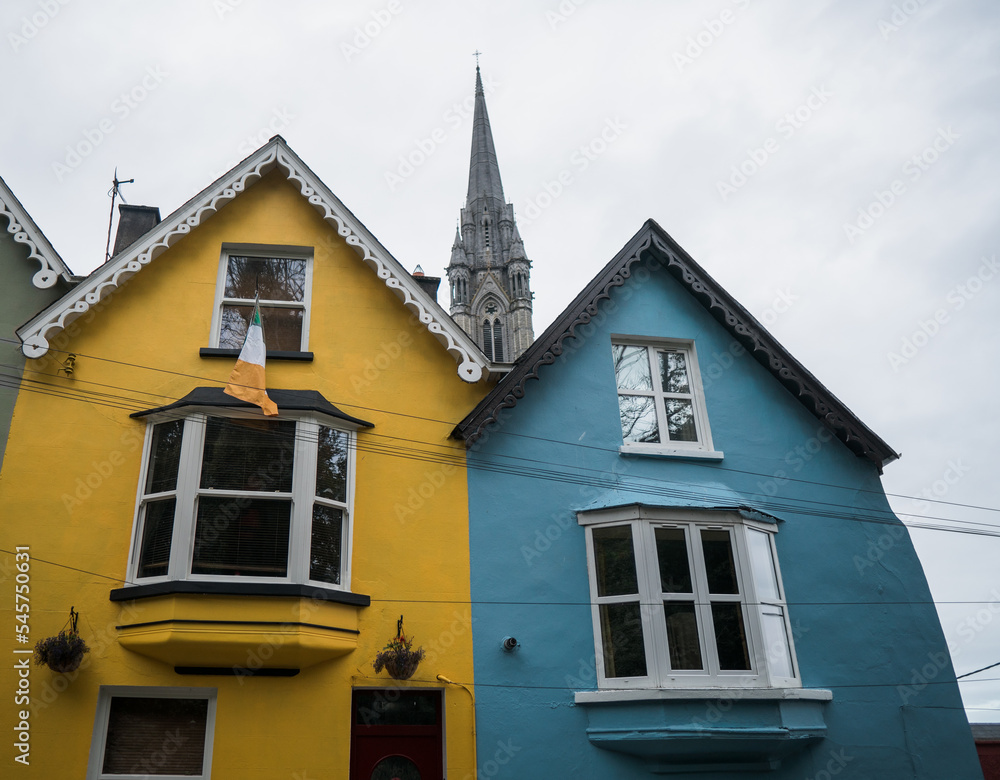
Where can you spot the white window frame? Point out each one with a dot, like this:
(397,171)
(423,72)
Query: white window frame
(703,447)
(765,660)
(264,252)
(100,736)
(301,498)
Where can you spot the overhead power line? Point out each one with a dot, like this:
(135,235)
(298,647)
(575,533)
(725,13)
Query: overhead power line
(647,484)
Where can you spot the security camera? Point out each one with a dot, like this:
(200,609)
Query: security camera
(508,644)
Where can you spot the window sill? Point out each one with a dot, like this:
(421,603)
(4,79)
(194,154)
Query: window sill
(658,451)
(272,354)
(243,627)
(701,694)
(706,729)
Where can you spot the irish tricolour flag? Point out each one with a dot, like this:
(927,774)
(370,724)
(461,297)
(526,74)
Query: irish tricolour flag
(247,380)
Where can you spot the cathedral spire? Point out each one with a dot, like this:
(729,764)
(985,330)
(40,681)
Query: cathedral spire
(489,272)
(484,171)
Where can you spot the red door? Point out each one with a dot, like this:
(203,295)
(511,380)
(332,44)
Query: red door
(396,735)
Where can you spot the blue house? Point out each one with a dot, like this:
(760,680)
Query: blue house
(683,561)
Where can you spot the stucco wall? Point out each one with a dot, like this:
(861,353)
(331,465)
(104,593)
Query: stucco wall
(69,491)
(862,631)
(19,300)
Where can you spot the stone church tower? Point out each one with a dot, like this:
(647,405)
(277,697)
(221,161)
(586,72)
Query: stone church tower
(489,273)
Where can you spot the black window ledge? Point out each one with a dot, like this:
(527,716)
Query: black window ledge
(132,592)
(272,354)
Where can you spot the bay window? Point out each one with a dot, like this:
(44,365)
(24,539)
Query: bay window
(228,496)
(686,598)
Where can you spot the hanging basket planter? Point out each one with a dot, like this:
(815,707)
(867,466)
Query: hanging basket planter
(398,657)
(63,652)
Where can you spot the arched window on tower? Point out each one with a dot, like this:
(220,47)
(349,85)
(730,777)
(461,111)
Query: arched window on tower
(488,339)
(492,325)
(497,341)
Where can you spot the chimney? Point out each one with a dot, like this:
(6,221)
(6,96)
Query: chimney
(133,222)
(429,284)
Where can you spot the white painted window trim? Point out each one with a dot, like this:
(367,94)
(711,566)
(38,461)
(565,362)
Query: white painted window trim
(643,521)
(302,500)
(702,448)
(263,251)
(620,696)
(100,735)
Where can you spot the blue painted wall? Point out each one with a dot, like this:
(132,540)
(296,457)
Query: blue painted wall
(864,625)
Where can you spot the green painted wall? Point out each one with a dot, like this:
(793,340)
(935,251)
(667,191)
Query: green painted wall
(19,301)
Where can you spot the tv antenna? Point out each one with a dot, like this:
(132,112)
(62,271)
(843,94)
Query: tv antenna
(114,193)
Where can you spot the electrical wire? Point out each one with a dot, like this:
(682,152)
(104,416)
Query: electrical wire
(977,671)
(635,483)
(588,604)
(452,424)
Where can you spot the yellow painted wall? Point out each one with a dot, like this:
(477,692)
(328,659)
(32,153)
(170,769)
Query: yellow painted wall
(68,491)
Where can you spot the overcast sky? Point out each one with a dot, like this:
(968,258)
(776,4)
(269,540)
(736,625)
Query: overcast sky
(833,164)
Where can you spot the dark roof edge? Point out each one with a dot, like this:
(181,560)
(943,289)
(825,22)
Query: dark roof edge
(289,400)
(655,243)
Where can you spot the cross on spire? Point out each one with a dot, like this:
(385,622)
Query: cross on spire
(476,54)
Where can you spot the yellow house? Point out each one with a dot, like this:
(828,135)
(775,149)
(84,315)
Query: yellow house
(235,575)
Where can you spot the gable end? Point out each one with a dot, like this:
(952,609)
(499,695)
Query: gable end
(654,244)
(24,230)
(112,275)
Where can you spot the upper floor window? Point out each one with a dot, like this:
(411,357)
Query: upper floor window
(660,398)
(687,599)
(281,278)
(226,496)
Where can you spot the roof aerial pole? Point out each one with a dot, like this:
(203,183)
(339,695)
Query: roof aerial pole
(113,193)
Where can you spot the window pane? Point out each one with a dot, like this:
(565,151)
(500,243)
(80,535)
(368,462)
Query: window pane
(730,636)
(233,327)
(324,553)
(719,564)
(638,413)
(615,561)
(671,551)
(282,327)
(632,368)
(331,465)
(497,340)
(682,635)
(155,736)
(762,563)
(241,537)
(274,279)
(396,708)
(248,455)
(621,632)
(165,456)
(487,340)
(157,530)
(779,659)
(399,767)
(673,372)
(680,420)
